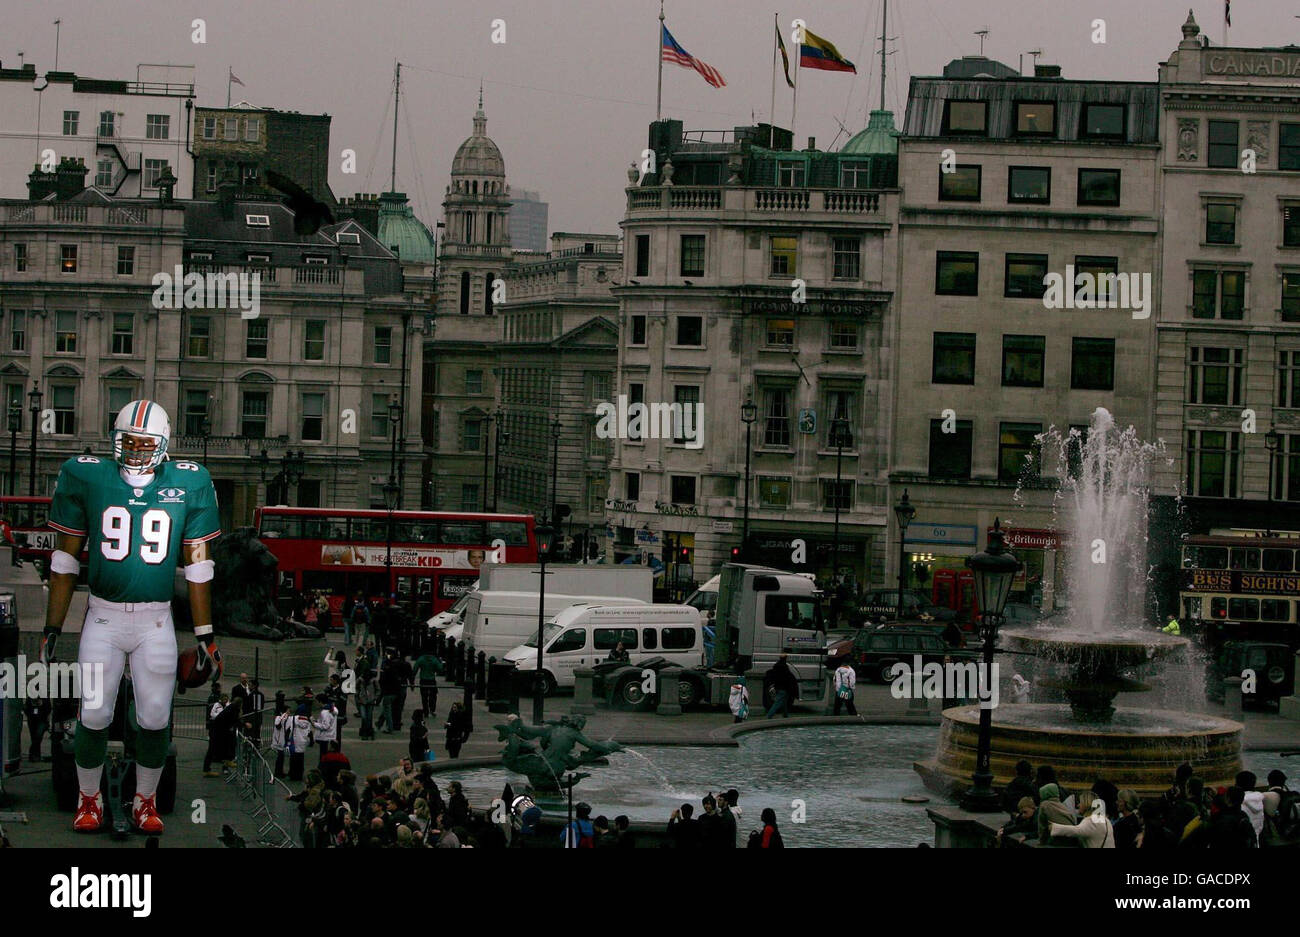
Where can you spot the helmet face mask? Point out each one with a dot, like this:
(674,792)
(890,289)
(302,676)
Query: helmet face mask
(140,436)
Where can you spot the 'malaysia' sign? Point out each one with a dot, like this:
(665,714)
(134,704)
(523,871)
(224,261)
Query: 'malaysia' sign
(1267,64)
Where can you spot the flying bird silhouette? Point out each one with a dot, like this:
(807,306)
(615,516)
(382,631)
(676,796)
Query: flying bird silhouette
(308,213)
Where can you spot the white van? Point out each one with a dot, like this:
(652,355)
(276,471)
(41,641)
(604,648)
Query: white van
(495,622)
(586,634)
(705,598)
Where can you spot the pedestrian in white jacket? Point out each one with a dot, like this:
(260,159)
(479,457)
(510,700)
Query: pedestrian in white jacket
(280,732)
(299,742)
(845,680)
(739,700)
(326,728)
(1094,830)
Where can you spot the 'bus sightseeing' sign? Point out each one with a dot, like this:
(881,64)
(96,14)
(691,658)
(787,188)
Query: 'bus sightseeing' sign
(334,554)
(1242,582)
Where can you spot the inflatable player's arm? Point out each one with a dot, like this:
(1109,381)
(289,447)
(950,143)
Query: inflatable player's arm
(62,584)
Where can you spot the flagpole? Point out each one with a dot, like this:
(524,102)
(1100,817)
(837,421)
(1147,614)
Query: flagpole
(794,108)
(659,48)
(229,73)
(771,113)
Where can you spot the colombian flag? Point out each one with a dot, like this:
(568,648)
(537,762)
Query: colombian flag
(816,52)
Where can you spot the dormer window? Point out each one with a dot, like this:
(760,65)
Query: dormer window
(349,237)
(258,221)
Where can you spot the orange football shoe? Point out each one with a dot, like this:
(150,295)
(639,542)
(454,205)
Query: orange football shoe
(146,816)
(90,814)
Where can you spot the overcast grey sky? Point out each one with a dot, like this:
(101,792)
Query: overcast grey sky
(569,94)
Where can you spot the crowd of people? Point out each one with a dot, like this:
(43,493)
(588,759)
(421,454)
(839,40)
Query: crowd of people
(720,825)
(1190,815)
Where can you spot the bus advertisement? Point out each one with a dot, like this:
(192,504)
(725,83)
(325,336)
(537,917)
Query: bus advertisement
(1245,588)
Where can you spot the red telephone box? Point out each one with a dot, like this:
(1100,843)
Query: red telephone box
(955,589)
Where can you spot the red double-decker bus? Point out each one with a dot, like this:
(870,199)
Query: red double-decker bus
(26,516)
(435,554)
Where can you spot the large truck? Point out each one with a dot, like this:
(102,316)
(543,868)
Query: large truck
(761,614)
(585,583)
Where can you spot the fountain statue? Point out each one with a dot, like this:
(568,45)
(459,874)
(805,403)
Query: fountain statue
(557,739)
(1096,649)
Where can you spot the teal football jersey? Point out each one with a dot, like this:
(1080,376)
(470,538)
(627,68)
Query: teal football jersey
(134,535)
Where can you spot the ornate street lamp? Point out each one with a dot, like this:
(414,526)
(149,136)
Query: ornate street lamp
(546,536)
(995,569)
(1272,440)
(392,491)
(840,437)
(15,424)
(205,430)
(904,510)
(394,420)
(748,414)
(487,453)
(34,397)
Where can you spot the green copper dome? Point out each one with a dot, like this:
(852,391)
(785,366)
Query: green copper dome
(879,139)
(401,231)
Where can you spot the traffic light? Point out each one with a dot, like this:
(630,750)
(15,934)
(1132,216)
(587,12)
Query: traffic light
(735,554)
(685,554)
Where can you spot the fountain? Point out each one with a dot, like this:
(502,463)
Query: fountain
(1105,637)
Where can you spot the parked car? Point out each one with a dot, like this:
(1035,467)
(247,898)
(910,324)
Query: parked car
(877,650)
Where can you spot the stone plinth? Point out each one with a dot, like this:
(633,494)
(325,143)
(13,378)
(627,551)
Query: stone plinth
(583,695)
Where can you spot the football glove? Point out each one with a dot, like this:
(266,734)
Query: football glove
(49,639)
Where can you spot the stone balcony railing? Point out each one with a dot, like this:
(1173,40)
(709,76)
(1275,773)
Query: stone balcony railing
(758,201)
(77,213)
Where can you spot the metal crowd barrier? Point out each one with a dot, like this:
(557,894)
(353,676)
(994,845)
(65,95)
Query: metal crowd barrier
(265,796)
(189,718)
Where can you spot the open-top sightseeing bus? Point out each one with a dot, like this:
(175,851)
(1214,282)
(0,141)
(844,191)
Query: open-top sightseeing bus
(1242,588)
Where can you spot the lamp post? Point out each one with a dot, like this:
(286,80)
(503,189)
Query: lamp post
(748,414)
(502,437)
(1272,439)
(555,465)
(394,420)
(15,424)
(391,492)
(545,534)
(487,452)
(205,430)
(34,397)
(841,437)
(994,570)
(904,510)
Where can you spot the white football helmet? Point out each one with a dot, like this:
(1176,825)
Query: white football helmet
(147,419)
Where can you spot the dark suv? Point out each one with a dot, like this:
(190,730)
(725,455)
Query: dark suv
(877,650)
(883,603)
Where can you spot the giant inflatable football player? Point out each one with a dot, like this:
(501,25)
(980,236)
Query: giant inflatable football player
(138,516)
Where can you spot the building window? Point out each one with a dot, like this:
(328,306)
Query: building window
(642,255)
(837,493)
(469,499)
(65,410)
(253,422)
(313,417)
(683,489)
(118,397)
(965,117)
(212,175)
(379,416)
(1022,360)
(123,333)
(125,261)
(774,491)
(1104,273)
(465,287)
(209,128)
(70,121)
(1215,375)
(104,173)
(200,335)
(1025,276)
(776,418)
(17,330)
(687,397)
(690,330)
(1092,364)
(846,258)
(635,395)
(844,335)
(309,493)
(1213,463)
(632,486)
(313,345)
(473,381)
(1223,151)
(855,174)
(1218,294)
(252,129)
(1220,223)
(839,406)
(231,128)
(107,123)
(956,273)
(790,173)
(256,339)
(1098,187)
(65,332)
(20,257)
(383,344)
(638,330)
(1035,118)
(157,127)
(954,358)
(1288,146)
(1018,451)
(692,255)
(1287,485)
(1102,121)
(1291,297)
(960,185)
(950,453)
(780,332)
(1288,379)
(68,258)
(1031,184)
(196,411)
(785,252)
(1291,225)
(153,170)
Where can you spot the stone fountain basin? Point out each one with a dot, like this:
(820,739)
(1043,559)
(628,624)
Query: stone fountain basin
(1139,749)
(1115,650)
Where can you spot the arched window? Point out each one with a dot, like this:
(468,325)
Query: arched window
(469,227)
(464,293)
(474,187)
(487,294)
(489,227)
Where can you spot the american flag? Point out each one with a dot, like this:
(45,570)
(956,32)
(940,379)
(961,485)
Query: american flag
(672,52)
